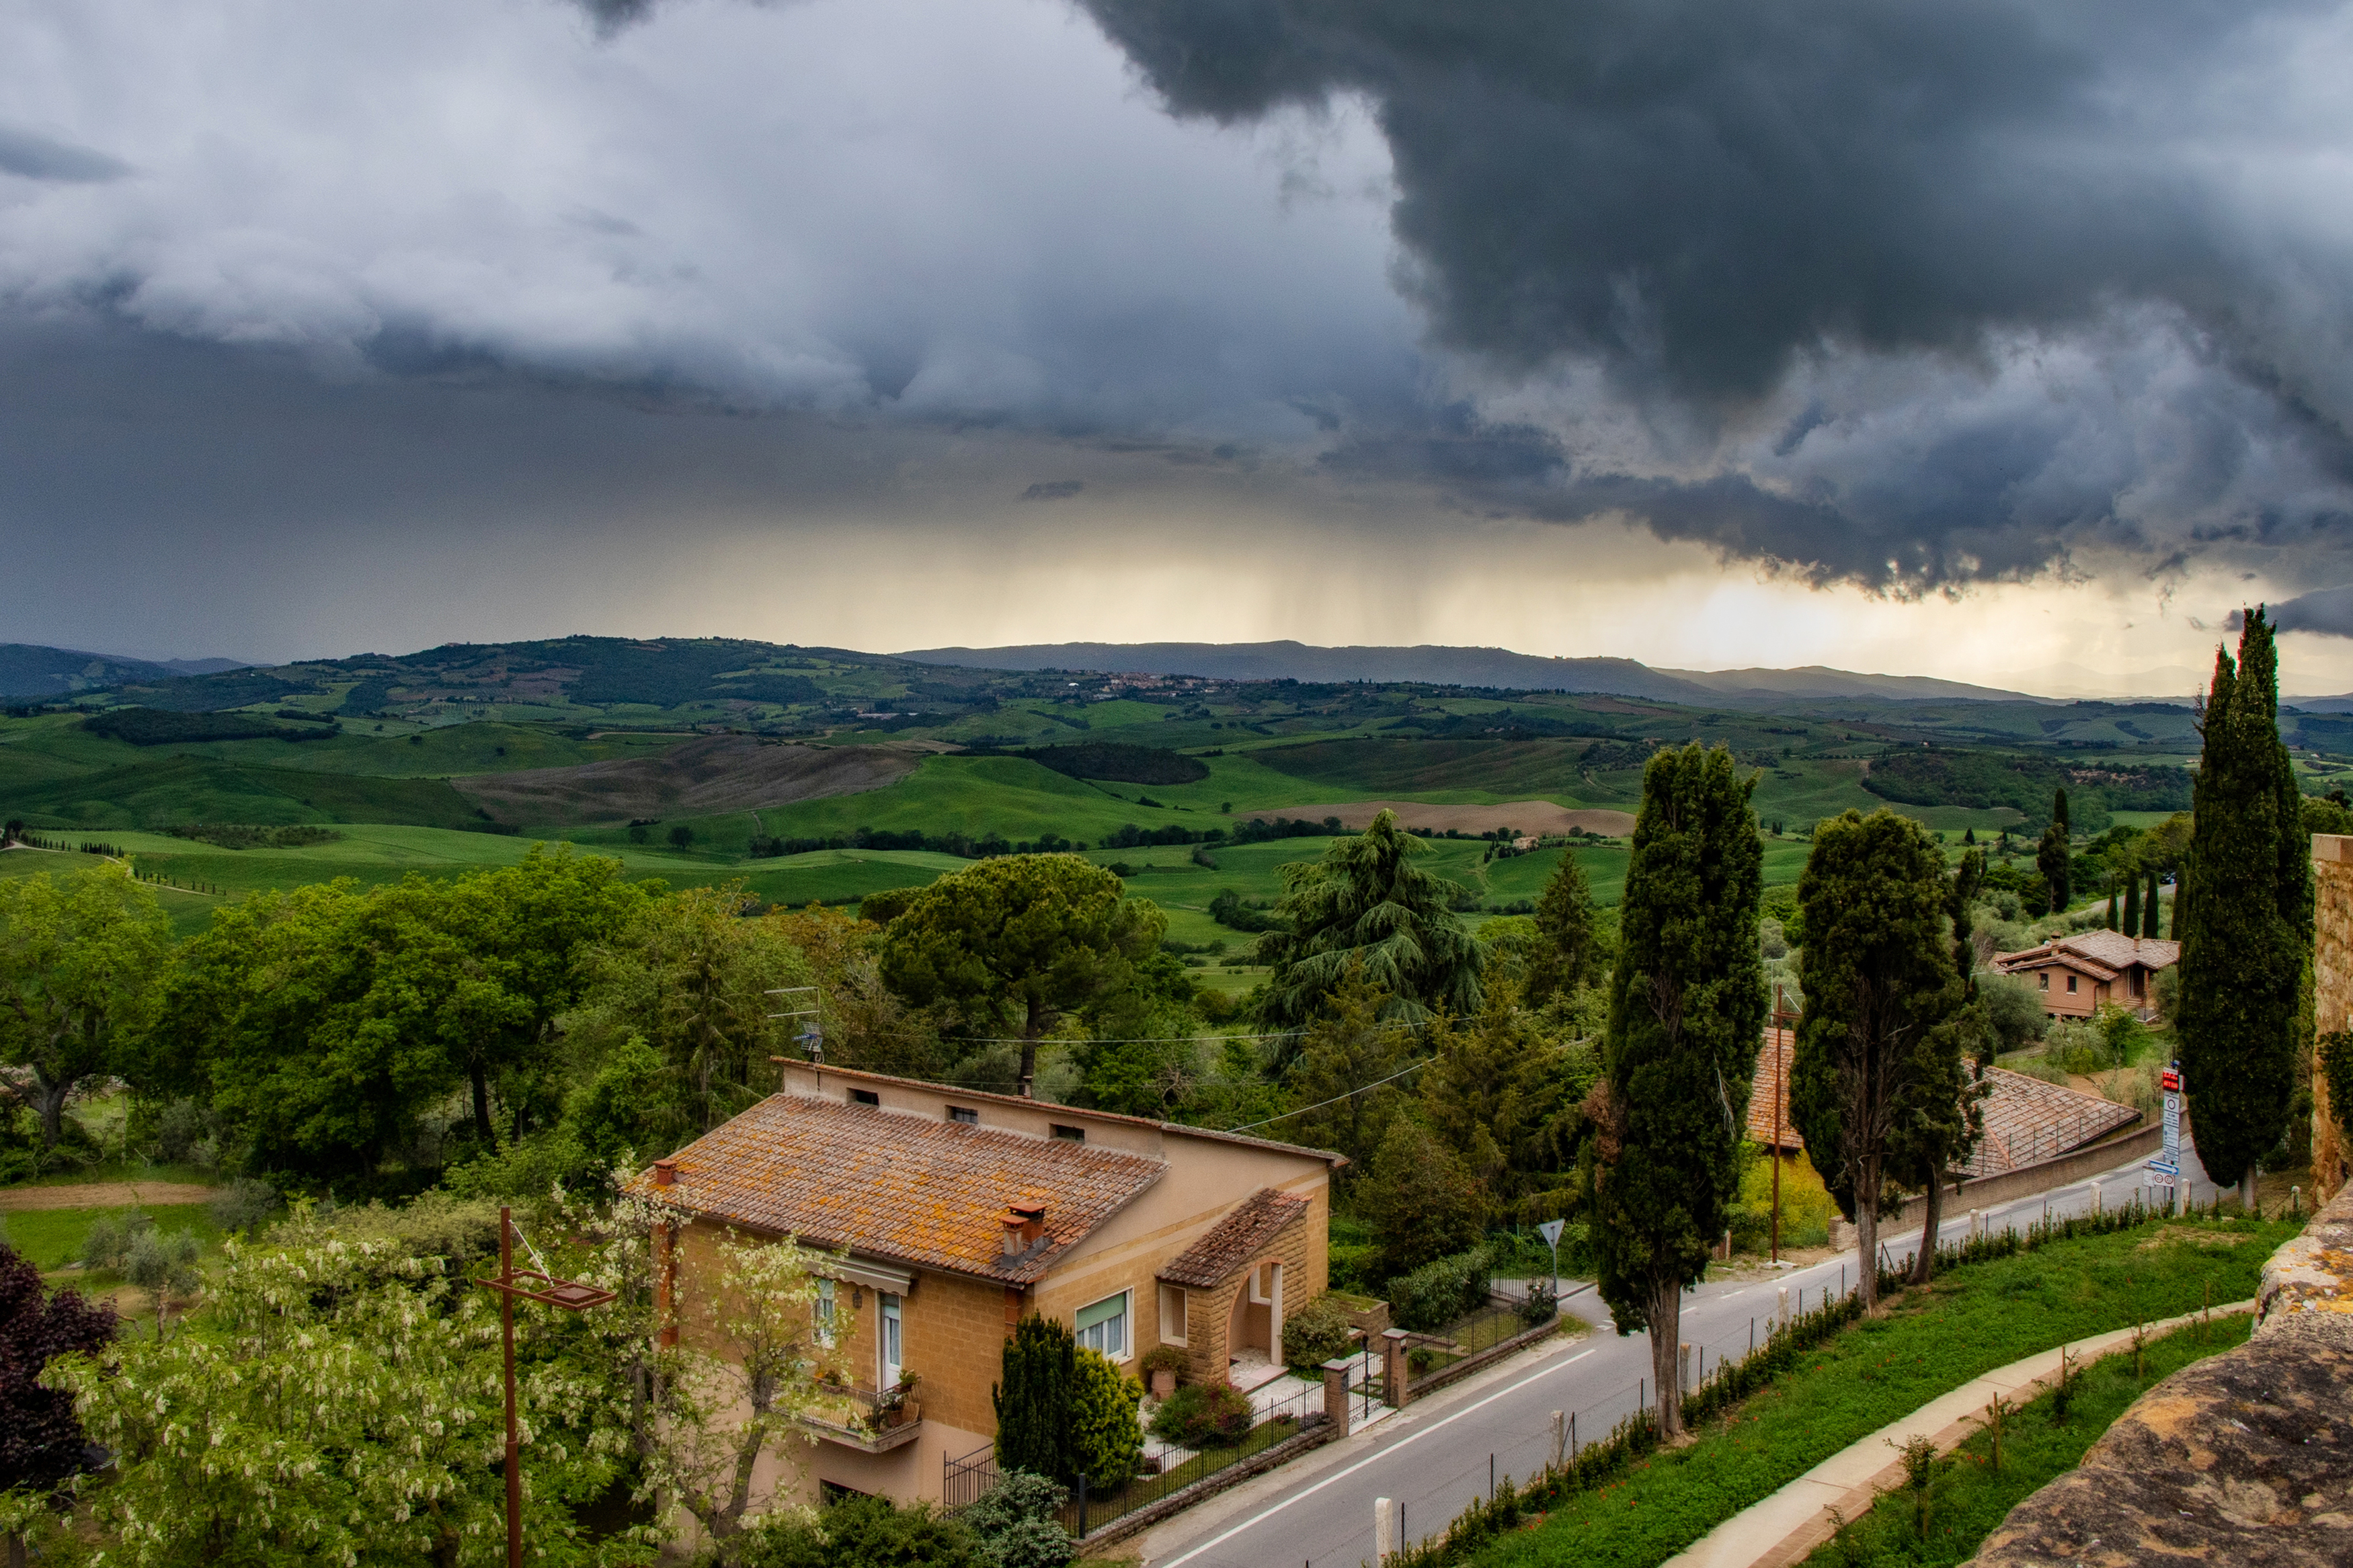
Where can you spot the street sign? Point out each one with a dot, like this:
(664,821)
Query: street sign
(2171,1081)
(1550,1230)
(2166,1166)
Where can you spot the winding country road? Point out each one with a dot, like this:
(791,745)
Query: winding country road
(1435,1454)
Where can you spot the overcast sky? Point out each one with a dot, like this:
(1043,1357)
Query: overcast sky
(1998,340)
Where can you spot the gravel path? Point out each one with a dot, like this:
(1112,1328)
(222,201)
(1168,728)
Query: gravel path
(104,1194)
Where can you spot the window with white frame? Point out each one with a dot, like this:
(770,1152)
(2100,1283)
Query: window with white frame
(823,1312)
(1172,1314)
(1103,1326)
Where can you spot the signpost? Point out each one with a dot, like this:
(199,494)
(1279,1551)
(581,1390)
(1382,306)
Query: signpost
(2165,1171)
(1550,1230)
(531,1285)
(1783,1022)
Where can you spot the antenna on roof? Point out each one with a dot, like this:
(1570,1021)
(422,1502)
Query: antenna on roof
(811,1039)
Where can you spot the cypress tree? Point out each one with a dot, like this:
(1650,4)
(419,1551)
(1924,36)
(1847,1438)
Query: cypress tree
(1034,1414)
(2132,906)
(2052,858)
(1940,1119)
(1568,954)
(1687,1009)
(2151,912)
(1879,979)
(2247,929)
(2112,908)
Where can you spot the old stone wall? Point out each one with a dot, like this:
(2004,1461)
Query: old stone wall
(2332,986)
(2244,1458)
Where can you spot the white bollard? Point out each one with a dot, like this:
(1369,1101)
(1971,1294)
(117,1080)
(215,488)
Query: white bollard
(1683,1366)
(1559,1440)
(1976,1222)
(1385,1535)
(1782,1311)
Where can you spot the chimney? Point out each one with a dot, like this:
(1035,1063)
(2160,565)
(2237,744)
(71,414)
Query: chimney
(665,1172)
(1025,1227)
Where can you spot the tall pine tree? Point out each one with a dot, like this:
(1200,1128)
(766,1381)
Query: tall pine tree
(1686,1020)
(1877,971)
(2246,928)
(1570,954)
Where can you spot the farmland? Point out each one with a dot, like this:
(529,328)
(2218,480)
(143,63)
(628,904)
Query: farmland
(697,763)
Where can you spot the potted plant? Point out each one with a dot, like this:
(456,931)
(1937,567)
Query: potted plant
(894,1408)
(1161,1365)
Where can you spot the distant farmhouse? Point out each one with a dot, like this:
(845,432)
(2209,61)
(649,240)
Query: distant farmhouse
(952,1215)
(2073,975)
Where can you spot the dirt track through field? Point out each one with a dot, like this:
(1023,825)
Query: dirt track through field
(1535,817)
(718,773)
(104,1195)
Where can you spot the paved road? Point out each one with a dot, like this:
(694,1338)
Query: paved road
(1435,1456)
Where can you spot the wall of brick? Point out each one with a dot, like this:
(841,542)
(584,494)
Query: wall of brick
(2332,981)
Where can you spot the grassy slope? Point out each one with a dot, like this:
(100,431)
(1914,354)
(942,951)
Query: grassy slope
(53,1238)
(1968,1500)
(1974,1319)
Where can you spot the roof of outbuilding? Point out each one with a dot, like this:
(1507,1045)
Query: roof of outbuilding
(927,1193)
(1772,1080)
(1236,1239)
(2028,1121)
(2103,953)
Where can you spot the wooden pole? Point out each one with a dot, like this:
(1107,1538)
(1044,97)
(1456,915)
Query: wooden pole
(1780,1012)
(514,1445)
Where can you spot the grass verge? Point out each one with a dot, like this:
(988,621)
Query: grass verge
(1975,1318)
(52,1238)
(1967,1498)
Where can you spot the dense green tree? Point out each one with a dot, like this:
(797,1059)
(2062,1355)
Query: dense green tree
(78,958)
(1036,1400)
(1367,902)
(1420,1200)
(693,979)
(1348,1073)
(1505,1098)
(1106,1438)
(2051,857)
(2150,911)
(2131,926)
(1871,1063)
(1018,942)
(1568,953)
(1687,1013)
(2248,928)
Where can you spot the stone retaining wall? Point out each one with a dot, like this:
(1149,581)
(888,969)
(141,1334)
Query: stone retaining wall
(2243,1458)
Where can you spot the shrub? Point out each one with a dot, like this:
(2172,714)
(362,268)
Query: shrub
(1439,1292)
(178,1130)
(1033,1402)
(1541,1306)
(1106,1443)
(1166,1358)
(1014,1523)
(244,1205)
(1203,1416)
(1805,1206)
(109,1241)
(1314,1334)
(2013,1009)
(861,1532)
(165,1265)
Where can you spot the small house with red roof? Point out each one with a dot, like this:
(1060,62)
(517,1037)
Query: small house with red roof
(950,1214)
(2073,975)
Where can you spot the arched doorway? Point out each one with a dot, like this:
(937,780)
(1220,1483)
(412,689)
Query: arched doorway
(1254,1328)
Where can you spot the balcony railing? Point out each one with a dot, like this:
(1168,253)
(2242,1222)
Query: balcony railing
(872,1421)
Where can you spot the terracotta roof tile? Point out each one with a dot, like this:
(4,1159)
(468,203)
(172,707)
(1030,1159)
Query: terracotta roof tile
(900,1186)
(2102,954)
(2028,1121)
(1762,1090)
(1234,1240)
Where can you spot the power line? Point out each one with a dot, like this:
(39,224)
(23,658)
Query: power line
(1337,1098)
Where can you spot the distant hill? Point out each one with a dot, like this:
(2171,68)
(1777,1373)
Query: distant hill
(28,669)
(1469,667)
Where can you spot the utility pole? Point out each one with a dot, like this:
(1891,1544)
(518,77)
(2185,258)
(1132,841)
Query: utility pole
(1783,1021)
(545,1288)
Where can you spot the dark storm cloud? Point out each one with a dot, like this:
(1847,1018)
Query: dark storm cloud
(1053,490)
(37,157)
(1703,190)
(1715,201)
(2329,611)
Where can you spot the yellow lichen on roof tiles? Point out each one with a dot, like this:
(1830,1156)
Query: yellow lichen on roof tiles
(900,1186)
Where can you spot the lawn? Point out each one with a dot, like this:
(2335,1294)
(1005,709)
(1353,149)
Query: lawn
(52,1238)
(1974,1319)
(1967,1498)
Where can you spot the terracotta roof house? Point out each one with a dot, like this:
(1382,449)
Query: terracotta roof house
(2073,974)
(954,1214)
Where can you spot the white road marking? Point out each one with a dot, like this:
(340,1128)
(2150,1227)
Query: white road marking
(1374,1458)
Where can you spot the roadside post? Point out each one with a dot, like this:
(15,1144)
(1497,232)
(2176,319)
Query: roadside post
(532,1285)
(1550,1230)
(2165,1171)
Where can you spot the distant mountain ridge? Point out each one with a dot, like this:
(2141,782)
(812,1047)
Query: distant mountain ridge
(1470,667)
(32,670)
